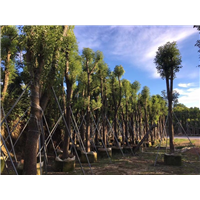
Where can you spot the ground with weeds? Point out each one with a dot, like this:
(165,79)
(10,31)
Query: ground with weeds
(148,161)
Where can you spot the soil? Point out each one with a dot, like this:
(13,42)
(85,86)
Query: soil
(140,164)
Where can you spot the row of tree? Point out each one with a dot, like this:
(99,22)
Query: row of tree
(42,57)
(188,117)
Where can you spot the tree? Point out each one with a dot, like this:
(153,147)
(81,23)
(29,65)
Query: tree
(145,94)
(102,74)
(135,87)
(157,114)
(9,42)
(116,92)
(168,63)
(126,94)
(90,62)
(72,69)
(40,46)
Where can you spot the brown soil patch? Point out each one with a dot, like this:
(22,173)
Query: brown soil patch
(193,151)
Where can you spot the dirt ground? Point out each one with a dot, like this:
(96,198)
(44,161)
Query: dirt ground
(143,163)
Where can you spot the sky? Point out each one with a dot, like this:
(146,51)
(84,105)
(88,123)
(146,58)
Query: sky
(134,47)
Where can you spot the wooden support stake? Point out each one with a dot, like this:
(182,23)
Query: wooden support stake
(145,136)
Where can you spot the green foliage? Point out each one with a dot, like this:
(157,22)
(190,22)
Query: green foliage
(103,70)
(74,68)
(9,47)
(118,71)
(9,41)
(88,54)
(145,93)
(136,86)
(126,88)
(156,108)
(168,58)
(96,104)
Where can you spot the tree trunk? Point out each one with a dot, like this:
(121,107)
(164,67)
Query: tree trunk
(82,128)
(122,127)
(88,131)
(169,95)
(132,129)
(126,124)
(32,137)
(67,117)
(140,125)
(67,108)
(33,132)
(144,138)
(115,127)
(88,113)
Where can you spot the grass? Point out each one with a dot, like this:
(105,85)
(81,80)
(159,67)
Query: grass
(143,163)
(140,164)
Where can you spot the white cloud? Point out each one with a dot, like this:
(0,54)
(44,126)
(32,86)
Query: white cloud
(136,44)
(185,85)
(189,97)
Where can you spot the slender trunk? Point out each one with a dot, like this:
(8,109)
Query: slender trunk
(132,129)
(169,95)
(103,113)
(146,123)
(143,139)
(126,123)
(67,108)
(67,117)
(88,131)
(122,126)
(105,127)
(152,135)
(115,126)
(88,113)
(140,122)
(82,128)
(136,125)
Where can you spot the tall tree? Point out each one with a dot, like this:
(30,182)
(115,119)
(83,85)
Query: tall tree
(127,94)
(72,70)
(168,63)
(90,61)
(102,74)
(134,98)
(40,42)
(145,94)
(116,92)
(9,42)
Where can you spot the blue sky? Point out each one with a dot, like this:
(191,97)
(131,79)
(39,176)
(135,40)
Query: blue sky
(134,47)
